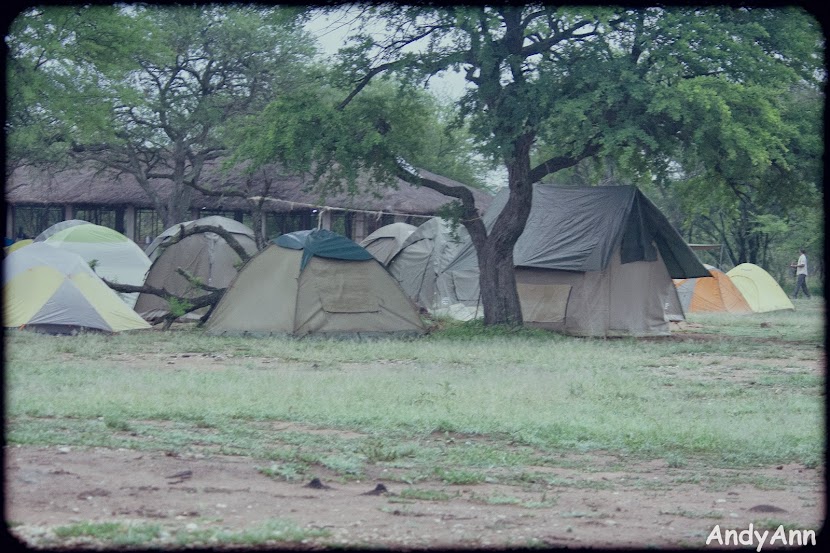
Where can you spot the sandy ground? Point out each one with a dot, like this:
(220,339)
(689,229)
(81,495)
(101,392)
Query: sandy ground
(52,486)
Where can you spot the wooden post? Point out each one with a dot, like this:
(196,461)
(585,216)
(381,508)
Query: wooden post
(10,221)
(129,222)
(359,230)
(325,219)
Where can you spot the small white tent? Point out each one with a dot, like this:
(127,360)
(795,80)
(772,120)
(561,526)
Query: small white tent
(419,265)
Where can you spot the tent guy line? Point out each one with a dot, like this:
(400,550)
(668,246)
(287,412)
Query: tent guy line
(377,213)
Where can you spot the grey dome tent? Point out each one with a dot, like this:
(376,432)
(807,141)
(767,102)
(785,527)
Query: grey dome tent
(592,261)
(314,282)
(205,255)
(387,241)
(419,265)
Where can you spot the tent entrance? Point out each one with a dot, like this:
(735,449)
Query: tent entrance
(544,303)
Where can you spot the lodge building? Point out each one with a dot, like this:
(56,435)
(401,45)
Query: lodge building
(37,198)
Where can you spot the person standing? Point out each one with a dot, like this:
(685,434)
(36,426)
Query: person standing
(801,274)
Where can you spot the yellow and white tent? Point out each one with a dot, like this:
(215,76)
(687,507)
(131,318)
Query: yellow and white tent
(17,245)
(759,289)
(116,257)
(55,291)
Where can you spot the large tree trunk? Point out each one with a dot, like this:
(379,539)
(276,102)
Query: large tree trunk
(256,221)
(497,282)
(497,279)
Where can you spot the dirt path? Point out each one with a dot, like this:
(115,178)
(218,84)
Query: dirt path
(50,486)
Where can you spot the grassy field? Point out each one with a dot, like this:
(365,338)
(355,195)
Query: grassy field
(726,391)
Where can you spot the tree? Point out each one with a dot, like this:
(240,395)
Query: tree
(31,135)
(751,207)
(147,90)
(549,88)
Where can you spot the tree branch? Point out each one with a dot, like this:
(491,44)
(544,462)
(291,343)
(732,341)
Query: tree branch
(365,81)
(196,282)
(421,177)
(558,163)
(143,289)
(208,300)
(197,229)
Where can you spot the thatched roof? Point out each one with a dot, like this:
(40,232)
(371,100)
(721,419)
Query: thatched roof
(106,187)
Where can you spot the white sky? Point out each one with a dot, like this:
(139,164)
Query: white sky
(333,30)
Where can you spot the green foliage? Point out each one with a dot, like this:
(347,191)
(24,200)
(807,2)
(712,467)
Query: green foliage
(179,307)
(146,89)
(357,147)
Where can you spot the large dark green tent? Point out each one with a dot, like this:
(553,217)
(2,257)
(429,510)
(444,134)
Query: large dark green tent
(591,261)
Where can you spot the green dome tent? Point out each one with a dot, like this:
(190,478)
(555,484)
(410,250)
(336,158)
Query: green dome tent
(57,227)
(314,282)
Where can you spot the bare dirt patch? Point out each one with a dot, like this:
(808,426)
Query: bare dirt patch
(649,505)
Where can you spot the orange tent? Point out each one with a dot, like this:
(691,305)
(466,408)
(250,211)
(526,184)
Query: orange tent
(711,295)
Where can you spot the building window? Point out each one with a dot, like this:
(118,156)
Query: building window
(29,221)
(283,223)
(341,223)
(228,214)
(97,216)
(373,222)
(148,225)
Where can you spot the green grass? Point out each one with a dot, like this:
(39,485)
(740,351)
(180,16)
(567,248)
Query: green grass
(107,534)
(454,405)
(113,533)
(425,495)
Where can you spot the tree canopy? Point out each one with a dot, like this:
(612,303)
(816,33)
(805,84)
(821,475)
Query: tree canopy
(657,90)
(147,90)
